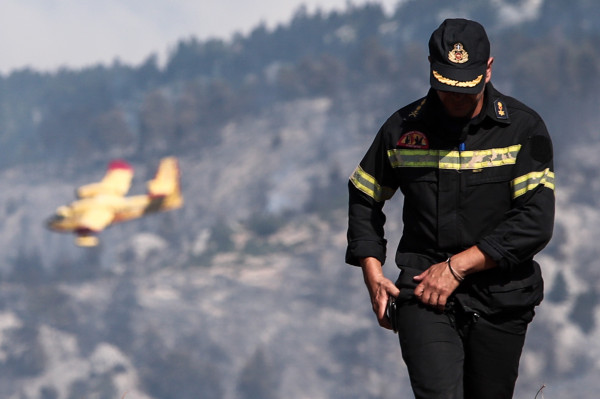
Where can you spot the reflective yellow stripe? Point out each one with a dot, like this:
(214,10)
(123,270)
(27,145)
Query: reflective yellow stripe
(444,159)
(532,180)
(368,185)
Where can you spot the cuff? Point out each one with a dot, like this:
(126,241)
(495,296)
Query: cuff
(502,258)
(364,249)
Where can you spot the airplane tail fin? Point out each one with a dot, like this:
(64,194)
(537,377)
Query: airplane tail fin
(166,184)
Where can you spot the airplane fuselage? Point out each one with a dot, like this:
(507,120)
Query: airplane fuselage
(68,219)
(103,203)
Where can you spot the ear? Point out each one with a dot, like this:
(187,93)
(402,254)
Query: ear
(488,71)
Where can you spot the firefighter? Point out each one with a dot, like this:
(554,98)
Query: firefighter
(475,169)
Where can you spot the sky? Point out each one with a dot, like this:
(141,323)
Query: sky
(49,34)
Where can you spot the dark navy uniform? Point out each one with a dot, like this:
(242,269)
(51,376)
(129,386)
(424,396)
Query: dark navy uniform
(487,182)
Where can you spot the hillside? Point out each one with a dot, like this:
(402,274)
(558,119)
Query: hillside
(243,293)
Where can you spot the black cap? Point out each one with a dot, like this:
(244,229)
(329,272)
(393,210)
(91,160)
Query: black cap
(459,51)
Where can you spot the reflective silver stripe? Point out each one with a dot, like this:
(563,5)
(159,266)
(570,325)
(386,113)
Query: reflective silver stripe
(368,185)
(531,181)
(456,160)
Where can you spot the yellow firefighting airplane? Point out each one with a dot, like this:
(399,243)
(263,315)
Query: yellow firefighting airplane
(103,203)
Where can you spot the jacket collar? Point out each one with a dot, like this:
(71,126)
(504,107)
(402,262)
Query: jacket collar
(429,112)
(494,107)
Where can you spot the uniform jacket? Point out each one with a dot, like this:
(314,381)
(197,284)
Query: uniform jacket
(487,182)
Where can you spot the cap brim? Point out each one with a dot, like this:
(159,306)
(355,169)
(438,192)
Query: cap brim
(458,80)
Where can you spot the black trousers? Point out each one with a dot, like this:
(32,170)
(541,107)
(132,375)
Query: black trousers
(460,355)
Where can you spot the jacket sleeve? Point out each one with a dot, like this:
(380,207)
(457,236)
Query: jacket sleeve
(527,227)
(370,185)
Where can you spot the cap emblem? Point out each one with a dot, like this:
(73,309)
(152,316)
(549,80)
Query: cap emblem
(458,54)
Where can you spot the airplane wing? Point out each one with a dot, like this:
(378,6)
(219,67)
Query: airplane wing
(116,181)
(95,220)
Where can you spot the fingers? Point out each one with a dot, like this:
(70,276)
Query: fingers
(435,285)
(380,302)
(432,298)
(432,294)
(420,277)
(385,323)
(380,309)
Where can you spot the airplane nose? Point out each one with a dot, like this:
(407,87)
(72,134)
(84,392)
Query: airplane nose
(52,222)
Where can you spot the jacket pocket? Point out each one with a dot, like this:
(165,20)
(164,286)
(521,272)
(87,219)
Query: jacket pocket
(524,288)
(477,177)
(489,192)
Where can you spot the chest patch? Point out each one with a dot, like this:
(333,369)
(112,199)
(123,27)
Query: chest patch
(413,139)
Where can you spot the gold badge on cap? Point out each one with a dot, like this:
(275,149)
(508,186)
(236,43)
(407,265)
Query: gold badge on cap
(458,54)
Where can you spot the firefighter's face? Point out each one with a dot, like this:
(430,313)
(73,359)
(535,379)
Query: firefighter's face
(460,105)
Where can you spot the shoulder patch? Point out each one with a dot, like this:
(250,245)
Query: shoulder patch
(413,139)
(541,149)
(500,109)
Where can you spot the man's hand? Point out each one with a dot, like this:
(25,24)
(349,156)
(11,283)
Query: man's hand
(436,284)
(380,289)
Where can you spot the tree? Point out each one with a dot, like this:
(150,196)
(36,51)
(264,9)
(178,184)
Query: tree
(258,379)
(110,130)
(157,122)
(583,312)
(559,292)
